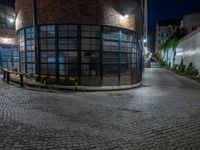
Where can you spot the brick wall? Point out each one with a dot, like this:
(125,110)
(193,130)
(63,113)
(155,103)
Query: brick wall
(8,37)
(7,10)
(23,10)
(101,12)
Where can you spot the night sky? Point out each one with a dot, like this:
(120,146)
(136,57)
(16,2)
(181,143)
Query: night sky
(8,2)
(170,9)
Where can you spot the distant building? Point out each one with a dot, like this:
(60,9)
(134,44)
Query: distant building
(164,29)
(151,39)
(191,22)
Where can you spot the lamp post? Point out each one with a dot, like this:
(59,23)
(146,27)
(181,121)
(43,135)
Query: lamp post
(145,41)
(145,30)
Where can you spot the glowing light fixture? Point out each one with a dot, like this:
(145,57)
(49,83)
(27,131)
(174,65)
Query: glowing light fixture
(5,40)
(145,40)
(126,16)
(11,20)
(146,51)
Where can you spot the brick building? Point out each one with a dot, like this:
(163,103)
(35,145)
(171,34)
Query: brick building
(9,55)
(98,42)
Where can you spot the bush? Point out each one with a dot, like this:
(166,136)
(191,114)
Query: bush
(162,63)
(191,70)
(176,67)
(160,59)
(182,67)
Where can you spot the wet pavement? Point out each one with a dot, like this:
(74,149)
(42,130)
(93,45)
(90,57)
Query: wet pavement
(163,114)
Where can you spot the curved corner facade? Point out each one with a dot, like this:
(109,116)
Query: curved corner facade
(9,56)
(96,42)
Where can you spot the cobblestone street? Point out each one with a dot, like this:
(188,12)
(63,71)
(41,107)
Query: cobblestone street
(163,114)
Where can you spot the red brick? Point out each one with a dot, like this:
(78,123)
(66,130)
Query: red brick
(100,12)
(7,36)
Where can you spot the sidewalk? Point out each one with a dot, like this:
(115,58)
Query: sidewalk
(32,83)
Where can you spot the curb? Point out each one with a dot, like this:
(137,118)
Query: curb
(78,88)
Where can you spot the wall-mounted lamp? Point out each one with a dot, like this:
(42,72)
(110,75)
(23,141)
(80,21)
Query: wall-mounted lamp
(11,20)
(5,40)
(124,16)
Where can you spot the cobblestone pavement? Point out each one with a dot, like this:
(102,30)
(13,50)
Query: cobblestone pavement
(163,114)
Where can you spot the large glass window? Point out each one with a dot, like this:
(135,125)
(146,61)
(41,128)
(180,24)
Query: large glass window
(7,21)
(27,51)
(135,55)
(9,57)
(6,56)
(15,57)
(63,49)
(30,50)
(111,51)
(21,38)
(68,50)
(48,50)
(90,50)
(127,45)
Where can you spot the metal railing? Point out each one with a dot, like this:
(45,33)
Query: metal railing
(43,79)
(8,72)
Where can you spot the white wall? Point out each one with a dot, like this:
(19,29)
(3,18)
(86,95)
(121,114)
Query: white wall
(189,50)
(191,20)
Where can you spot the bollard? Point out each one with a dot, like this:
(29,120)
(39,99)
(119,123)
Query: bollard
(4,74)
(46,82)
(21,80)
(8,76)
(76,84)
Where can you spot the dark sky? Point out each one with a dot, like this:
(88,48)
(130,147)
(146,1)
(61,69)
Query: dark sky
(170,9)
(7,2)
